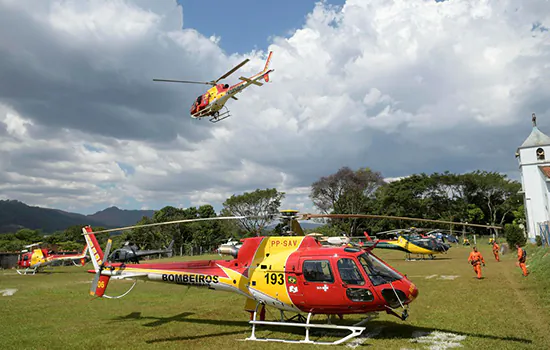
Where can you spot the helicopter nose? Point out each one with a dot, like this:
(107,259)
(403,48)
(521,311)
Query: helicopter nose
(413,292)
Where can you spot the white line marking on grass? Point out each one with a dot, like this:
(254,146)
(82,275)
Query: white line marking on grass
(361,339)
(438,340)
(8,292)
(430,276)
(450,277)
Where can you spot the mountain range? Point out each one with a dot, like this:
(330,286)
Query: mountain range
(15,215)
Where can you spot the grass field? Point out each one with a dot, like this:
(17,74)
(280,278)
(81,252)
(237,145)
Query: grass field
(502,311)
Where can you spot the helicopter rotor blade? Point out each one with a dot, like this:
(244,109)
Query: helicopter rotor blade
(371,216)
(171,222)
(107,250)
(185,81)
(232,70)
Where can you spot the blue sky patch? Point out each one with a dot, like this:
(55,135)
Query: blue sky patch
(538,26)
(247,24)
(127,168)
(92,148)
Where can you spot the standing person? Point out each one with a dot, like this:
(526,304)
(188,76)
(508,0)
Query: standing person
(522,257)
(495,250)
(476,259)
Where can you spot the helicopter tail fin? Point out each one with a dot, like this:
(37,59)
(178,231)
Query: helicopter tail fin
(96,253)
(367,235)
(265,71)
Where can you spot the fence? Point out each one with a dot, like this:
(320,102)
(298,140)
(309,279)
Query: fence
(8,260)
(544,232)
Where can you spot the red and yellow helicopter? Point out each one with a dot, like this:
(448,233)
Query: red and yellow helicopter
(213,101)
(40,258)
(292,273)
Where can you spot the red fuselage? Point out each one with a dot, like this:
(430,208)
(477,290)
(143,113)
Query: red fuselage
(291,273)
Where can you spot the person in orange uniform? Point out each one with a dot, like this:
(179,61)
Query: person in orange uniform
(476,259)
(522,257)
(495,250)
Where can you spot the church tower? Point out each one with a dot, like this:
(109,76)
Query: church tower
(534,163)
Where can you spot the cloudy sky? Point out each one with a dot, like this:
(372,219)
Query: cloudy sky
(402,87)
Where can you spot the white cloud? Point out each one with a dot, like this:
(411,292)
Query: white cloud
(399,86)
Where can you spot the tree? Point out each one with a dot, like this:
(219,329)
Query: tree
(514,235)
(346,192)
(261,204)
(28,235)
(496,195)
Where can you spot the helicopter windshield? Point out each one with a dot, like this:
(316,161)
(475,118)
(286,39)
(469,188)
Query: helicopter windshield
(377,271)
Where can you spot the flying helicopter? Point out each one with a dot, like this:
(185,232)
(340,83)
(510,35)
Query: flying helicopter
(130,252)
(36,260)
(214,99)
(292,273)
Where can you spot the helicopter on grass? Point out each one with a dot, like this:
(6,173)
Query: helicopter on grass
(36,260)
(292,273)
(130,252)
(410,241)
(213,101)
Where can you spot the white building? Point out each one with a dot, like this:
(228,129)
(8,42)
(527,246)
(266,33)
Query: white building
(534,166)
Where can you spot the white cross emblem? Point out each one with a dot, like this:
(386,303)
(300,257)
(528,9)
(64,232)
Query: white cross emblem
(325,288)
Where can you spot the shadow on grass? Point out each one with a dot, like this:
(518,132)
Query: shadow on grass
(183,317)
(389,330)
(191,337)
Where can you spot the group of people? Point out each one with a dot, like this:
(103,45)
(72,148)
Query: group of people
(476,259)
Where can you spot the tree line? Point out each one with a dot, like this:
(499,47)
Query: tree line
(478,197)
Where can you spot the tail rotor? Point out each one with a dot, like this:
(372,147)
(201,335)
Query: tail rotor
(99,284)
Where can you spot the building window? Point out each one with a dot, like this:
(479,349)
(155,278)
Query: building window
(540,154)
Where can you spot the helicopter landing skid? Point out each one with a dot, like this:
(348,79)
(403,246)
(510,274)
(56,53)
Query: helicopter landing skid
(217,117)
(24,271)
(355,330)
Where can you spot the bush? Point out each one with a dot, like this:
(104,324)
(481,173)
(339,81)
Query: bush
(514,235)
(538,239)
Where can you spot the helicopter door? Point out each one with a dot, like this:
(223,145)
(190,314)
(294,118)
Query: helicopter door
(357,288)
(316,283)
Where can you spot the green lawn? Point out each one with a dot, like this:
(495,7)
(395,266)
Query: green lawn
(502,311)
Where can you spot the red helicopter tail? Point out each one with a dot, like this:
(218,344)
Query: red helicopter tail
(367,235)
(99,284)
(265,71)
(96,253)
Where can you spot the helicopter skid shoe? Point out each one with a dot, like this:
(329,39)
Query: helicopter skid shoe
(355,331)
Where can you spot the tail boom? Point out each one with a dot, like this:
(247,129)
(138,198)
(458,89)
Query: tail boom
(96,253)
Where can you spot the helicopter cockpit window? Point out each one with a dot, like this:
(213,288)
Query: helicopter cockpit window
(26,257)
(349,272)
(317,271)
(377,271)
